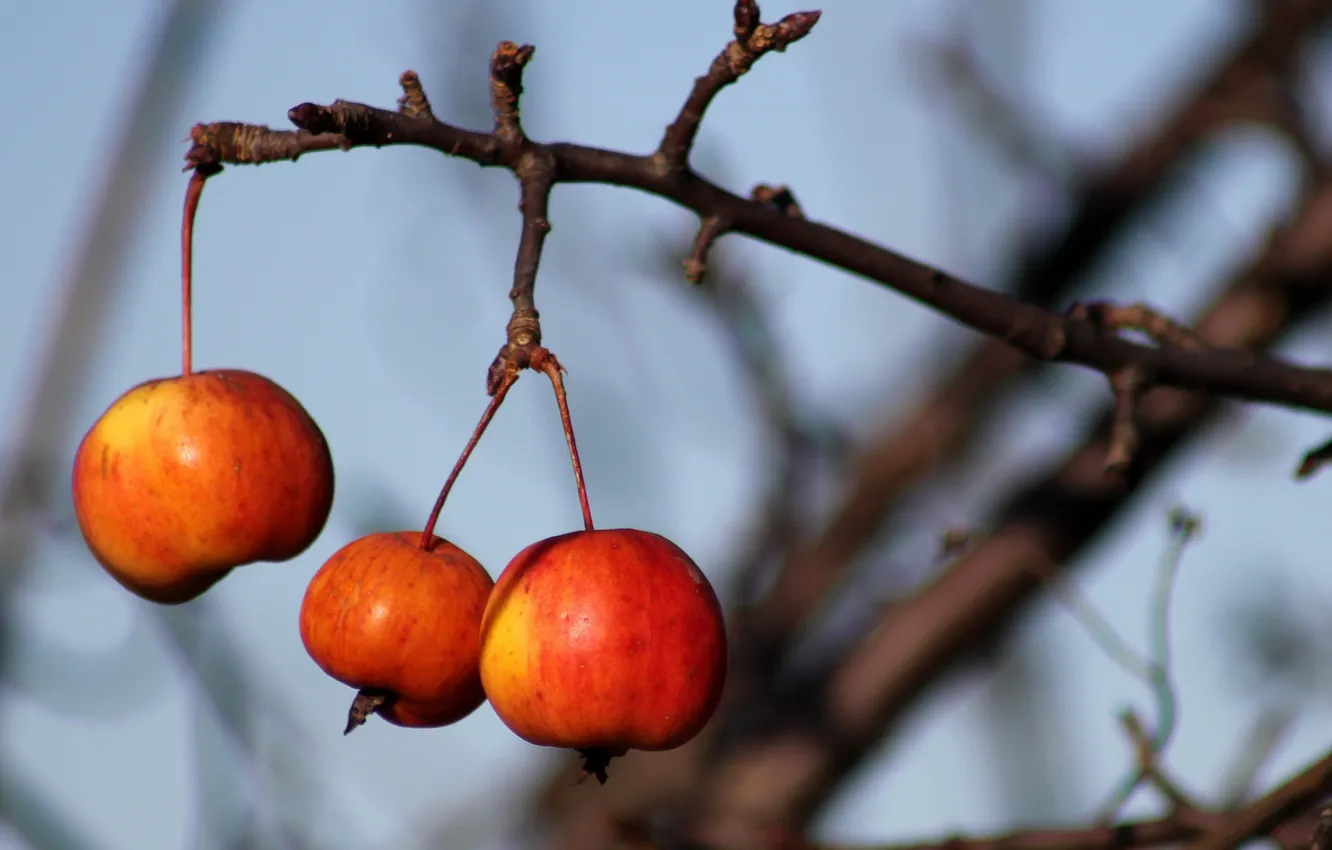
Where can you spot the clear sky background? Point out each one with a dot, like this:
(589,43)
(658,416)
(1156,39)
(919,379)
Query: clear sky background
(372,285)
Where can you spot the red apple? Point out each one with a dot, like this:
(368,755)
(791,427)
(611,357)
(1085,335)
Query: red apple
(402,624)
(603,640)
(185,478)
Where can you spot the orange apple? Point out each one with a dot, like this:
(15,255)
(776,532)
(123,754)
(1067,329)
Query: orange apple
(184,478)
(603,641)
(401,623)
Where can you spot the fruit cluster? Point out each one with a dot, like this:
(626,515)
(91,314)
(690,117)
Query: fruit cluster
(596,640)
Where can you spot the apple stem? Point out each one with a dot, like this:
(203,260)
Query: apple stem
(553,371)
(501,390)
(192,193)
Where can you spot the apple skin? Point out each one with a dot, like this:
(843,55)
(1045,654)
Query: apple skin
(185,478)
(609,639)
(385,615)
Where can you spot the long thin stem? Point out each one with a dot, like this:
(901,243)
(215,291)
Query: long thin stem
(552,370)
(501,391)
(192,193)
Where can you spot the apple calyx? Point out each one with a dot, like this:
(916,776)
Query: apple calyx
(400,625)
(596,760)
(366,703)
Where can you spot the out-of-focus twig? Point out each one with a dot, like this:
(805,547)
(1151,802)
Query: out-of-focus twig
(1155,672)
(952,69)
(32,816)
(1257,747)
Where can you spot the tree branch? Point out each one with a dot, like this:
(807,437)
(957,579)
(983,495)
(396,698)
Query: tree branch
(1035,331)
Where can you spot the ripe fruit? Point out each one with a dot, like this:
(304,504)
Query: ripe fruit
(603,641)
(183,479)
(397,615)
(401,623)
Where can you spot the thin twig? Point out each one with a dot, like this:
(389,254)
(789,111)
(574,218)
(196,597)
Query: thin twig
(1146,769)
(535,169)
(1097,627)
(1149,761)
(696,264)
(506,87)
(1184,527)
(1256,748)
(1128,386)
(524,329)
(1153,669)
(1141,318)
(995,119)
(1314,460)
(752,41)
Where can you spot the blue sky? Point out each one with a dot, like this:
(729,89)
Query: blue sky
(372,285)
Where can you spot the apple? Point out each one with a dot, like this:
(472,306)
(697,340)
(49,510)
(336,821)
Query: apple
(400,622)
(185,478)
(603,641)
